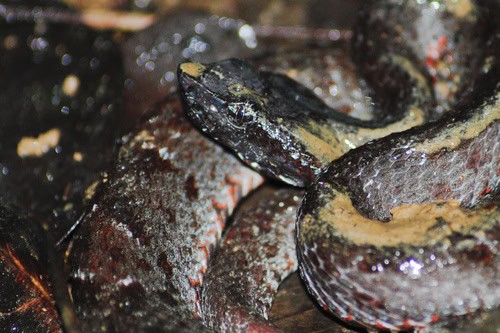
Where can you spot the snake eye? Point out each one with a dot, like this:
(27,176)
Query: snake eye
(240,113)
(236,88)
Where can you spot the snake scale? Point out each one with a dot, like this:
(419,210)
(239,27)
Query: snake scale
(399,225)
(396,148)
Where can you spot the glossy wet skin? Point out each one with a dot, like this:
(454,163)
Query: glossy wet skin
(241,93)
(159,214)
(447,268)
(230,101)
(232,90)
(416,182)
(260,114)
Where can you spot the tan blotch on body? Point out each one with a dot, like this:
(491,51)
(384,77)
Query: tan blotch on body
(453,136)
(330,141)
(36,147)
(415,224)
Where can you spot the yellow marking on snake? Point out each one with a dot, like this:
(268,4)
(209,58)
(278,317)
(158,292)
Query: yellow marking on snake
(414,224)
(193,69)
(330,141)
(455,134)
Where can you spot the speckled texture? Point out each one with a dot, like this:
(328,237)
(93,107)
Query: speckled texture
(139,258)
(444,38)
(257,253)
(281,128)
(417,282)
(421,181)
(66,79)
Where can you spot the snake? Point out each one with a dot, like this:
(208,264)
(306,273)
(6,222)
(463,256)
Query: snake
(399,224)
(139,259)
(256,254)
(159,270)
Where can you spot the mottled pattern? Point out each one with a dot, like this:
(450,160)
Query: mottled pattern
(139,258)
(446,39)
(412,285)
(378,180)
(405,286)
(267,120)
(281,128)
(256,254)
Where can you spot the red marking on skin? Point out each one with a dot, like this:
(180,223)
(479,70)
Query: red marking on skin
(407,324)
(218,205)
(442,41)
(289,264)
(205,252)
(430,62)
(434,318)
(204,245)
(233,181)
(325,308)
(232,194)
(436,51)
(194,282)
(441,192)
(349,318)
(379,325)
(473,160)
(196,306)
(485,191)
(212,232)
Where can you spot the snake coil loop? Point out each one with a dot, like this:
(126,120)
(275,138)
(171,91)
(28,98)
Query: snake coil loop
(399,225)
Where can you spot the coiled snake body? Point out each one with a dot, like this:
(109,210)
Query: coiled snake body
(400,230)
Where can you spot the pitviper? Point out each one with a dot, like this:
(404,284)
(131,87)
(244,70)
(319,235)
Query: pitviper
(396,231)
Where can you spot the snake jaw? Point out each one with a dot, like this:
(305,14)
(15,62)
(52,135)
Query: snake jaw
(364,282)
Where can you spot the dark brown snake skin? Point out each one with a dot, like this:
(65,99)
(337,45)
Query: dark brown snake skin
(399,233)
(140,256)
(256,254)
(402,232)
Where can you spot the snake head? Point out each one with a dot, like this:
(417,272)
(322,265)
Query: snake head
(223,98)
